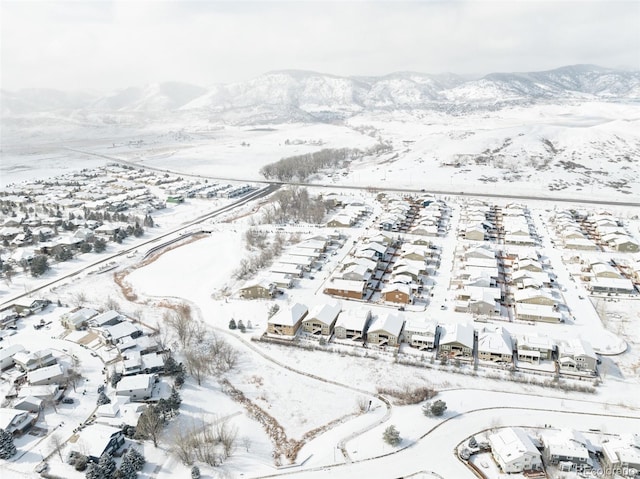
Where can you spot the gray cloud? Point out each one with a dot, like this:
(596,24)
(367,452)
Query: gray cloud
(107,44)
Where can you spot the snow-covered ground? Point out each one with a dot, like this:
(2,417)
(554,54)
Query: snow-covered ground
(302,389)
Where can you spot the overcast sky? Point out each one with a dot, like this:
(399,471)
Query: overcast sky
(105,44)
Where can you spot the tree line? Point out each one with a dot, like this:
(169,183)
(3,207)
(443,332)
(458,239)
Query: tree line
(302,167)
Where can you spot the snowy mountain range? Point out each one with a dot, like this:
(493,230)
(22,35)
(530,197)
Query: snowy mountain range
(292,95)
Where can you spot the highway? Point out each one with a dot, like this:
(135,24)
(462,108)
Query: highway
(453,192)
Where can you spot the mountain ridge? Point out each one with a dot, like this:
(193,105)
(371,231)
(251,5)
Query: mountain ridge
(308,95)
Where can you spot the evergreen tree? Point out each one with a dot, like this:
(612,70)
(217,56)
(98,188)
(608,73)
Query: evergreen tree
(93,472)
(195,472)
(391,436)
(106,466)
(7,447)
(241,326)
(438,408)
(103,399)
(85,247)
(174,399)
(99,245)
(39,265)
(115,379)
(136,458)
(232,324)
(127,470)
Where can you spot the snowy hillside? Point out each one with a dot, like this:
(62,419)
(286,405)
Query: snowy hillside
(310,96)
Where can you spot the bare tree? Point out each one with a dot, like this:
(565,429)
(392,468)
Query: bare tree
(111,304)
(58,443)
(150,425)
(78,298)
(246,442)
(181,323)
(198,362)
(72,377)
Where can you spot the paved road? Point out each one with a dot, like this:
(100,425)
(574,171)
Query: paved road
(633,200)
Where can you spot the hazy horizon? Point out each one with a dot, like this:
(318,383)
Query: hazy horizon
(112,44)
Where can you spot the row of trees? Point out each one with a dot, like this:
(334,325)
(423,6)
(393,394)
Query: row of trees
(250,266)
(132,462)
(302,167)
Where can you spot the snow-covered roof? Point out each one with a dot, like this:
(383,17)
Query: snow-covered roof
(495,341)
(121,330)
(289,316)
(354,319)
(422,328)
(325,313)
(42,374)
(96,437)
(457,333)
(512,443)
(10,351)
(346,285)
(137,382)
(535,342)
(389,323)
(576,347)
(529,294)
(539,310)
(106,317)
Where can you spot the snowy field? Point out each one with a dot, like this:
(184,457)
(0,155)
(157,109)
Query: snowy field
(306,390)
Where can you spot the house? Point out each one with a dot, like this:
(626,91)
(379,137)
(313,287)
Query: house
(456,340)
(108,318)
(567,449)
(479,300)
(29,404)
(7,353)
(257,289)
(397,293)
(421,334)
(356,272)
(622,455)
(137,387)
(345,288)
(577,355)
(26,306)
(98,439)
(47,375)
(386,330)
(15,421)
(379,250)
(604,270)
(78,319)
(537,312)
(533,296)
(535,348)
(286,268)
(279,280)
(322,319)
(121,332)
(286,322)
(514,451)
(30,361)
(474,233)
(494,344)
(341,221)
(612,285)
(353,324)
